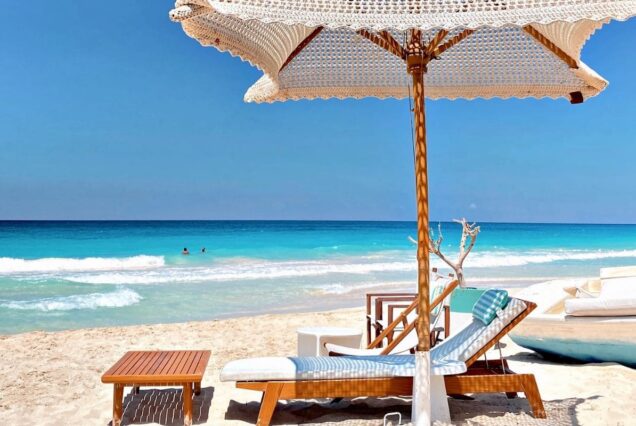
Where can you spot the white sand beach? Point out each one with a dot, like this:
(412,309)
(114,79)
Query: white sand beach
(54,379)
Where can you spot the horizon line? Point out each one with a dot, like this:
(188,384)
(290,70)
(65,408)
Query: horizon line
(316,220)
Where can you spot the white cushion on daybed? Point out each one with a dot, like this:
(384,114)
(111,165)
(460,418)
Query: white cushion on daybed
(618,288)
(601,307)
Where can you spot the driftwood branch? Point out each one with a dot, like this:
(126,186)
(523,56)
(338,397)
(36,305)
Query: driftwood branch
(436,244)
(469,232)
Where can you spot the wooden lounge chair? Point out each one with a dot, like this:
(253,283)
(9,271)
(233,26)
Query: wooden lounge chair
(380,376)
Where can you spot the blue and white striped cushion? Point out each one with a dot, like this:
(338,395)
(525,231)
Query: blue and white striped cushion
(486,307)
(462,345)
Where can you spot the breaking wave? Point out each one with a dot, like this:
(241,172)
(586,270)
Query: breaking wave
(9,265)
(252,269)
(240,271)
(116,299)
(140,270)
(495,259)
(340,289)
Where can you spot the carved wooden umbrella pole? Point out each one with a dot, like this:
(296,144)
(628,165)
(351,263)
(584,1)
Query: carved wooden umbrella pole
(310,49)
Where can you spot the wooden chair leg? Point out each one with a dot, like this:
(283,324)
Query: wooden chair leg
(118,408)
(533,396)
(136,390)
(447,321)
(268,403)
(197,388)
(187,404)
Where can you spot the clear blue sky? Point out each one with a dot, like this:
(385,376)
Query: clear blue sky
(109,111)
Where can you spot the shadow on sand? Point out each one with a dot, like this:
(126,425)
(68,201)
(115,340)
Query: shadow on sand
(359,411)
(485,409)
(533,357)
(165,407)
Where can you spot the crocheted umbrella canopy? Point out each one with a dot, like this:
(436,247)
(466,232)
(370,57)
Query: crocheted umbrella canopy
(320,49)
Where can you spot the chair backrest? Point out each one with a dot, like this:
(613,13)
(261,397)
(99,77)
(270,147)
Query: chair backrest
(476,338)
(391,303)
(409,330)
(410,340)
(411,316)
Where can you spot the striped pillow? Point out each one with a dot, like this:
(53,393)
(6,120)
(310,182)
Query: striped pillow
(487,306)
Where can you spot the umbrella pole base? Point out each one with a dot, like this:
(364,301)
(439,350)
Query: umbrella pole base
(421,409)
(439,401)
(430,402)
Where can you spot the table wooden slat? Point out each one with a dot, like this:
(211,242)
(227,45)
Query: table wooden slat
(149,360)
(203,363)
(133,365)
(184,362)
(116,365)
(158,361)
(194,363)
(167,363)
(130,358)
(173,368)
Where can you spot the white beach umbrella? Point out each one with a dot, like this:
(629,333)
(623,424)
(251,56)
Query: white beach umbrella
(311,49)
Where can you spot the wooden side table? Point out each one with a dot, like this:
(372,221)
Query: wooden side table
(157,368)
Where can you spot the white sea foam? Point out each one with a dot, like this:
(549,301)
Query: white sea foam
(153,270)
(474,280)
(497,259)
(9,265)
(116,299)
(253,269)
(350,288)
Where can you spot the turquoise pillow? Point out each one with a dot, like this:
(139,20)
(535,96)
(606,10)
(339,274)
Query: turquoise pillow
(486,307)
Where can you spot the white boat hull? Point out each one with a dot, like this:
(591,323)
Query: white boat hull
(550,332)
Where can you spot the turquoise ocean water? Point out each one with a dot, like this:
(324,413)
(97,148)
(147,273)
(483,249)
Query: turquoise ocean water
(64,275)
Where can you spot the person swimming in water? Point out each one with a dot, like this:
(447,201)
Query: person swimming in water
(203,250)
(185,251)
